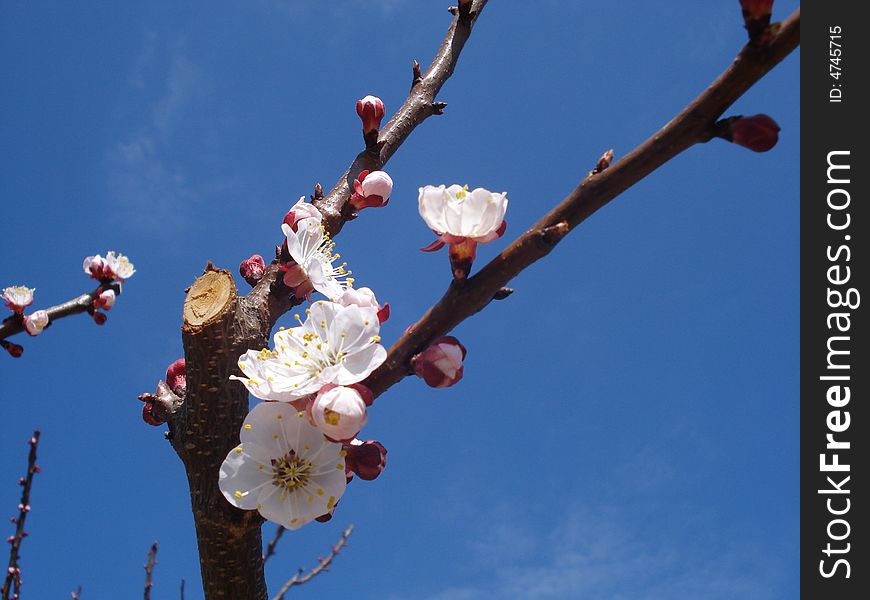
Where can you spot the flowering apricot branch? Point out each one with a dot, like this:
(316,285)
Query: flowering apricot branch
(12,583)
(322,565)
(110,271)
(342,203)
(695,124)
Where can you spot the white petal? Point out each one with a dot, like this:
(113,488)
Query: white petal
(359,365)
(430,203)
(243,475)
(271,426)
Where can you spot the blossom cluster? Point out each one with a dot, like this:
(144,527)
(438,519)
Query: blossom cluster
(298,447)
(109,271)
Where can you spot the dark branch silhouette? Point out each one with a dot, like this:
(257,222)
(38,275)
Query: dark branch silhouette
(322,565)
(12,582)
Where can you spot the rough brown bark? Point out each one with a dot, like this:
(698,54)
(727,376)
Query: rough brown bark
(218,328)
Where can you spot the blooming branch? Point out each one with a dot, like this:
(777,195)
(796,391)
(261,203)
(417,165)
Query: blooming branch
(695,124)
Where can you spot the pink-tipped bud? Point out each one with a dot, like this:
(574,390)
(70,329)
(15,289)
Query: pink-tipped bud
(759,133)
(176,376)
(364,298)
(440,365)
(35,322)
(366,459)
(148,416)
(252,269)
(106,300)
(100,318)
(371,189)
(371,110)
(301,210)
(97,268)
(339,412)
(14,350)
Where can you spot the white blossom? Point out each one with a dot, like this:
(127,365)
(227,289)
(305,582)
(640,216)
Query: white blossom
(284,467)
(120,265)
(311,249)
(18,297)
(336,344)
(455,211)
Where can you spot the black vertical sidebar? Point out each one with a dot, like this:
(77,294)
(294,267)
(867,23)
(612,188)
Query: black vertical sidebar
(835,370)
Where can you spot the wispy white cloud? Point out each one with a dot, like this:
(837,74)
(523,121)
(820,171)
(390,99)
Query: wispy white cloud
(591,554)
(150,178)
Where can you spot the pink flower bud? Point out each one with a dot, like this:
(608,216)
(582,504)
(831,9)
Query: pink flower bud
(106,300)
(100,318)
(339,412)
(36,322)
(759,133)
(366,459)
(364,298)
(440,365)
(252,269)
(301,210)
(148,417)
(96,267)
(371,189)
(371,110)
(176,376)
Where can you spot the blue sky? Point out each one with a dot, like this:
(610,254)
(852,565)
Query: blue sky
(628,422)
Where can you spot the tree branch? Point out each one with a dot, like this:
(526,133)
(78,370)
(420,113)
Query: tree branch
(12,583)
(219,326)
(270,296)
(84,303)
(322,565)
(270,547)
(690,127)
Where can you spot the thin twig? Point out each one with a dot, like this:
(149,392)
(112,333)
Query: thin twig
(322,565)
(149,569)
(270,547)
(12,583)
(182,588)
(690,127)
(78,305)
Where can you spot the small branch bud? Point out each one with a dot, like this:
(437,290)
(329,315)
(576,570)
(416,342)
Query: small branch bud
(603,162)
(503,293)
(438,108)
(318,192)
(417,75)
(554,233)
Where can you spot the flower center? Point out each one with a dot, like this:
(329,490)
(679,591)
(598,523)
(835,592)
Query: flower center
(291,472)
